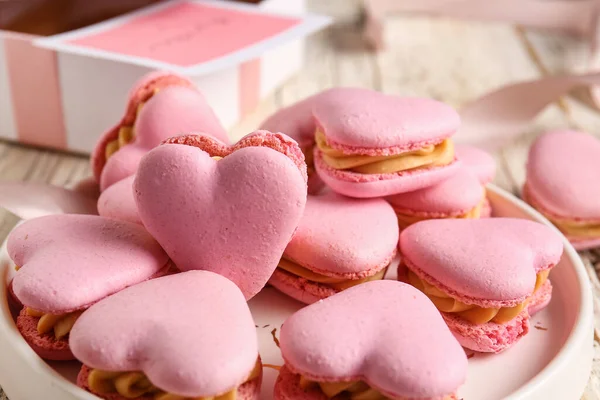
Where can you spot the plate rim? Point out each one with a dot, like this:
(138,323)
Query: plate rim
(583,323)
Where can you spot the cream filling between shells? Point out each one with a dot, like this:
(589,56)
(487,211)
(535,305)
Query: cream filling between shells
(135,384)
(352,390)
(59,324)
(335,283)
(428,156)
(405,220)
(470,312)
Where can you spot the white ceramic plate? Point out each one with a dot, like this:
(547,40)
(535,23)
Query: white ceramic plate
(552,362)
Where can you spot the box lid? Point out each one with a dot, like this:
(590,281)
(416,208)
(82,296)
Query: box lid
(191,37)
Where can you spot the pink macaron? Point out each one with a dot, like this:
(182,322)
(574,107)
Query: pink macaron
(379,340)
(68,262)
(183,336)
(297,122)
(160,105)
(486,276)
(117,202)
(227,209)
(563,183)
(370,144)
(477,161)
(341,242)
(460,196)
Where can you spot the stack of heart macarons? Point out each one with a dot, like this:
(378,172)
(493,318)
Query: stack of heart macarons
(319,203)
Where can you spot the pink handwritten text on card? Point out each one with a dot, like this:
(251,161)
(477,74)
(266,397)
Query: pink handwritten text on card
(187,34)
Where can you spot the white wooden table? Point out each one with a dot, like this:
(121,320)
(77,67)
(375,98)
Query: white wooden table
(445,59)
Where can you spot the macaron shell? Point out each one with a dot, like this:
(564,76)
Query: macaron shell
(490,337)
(191,333)
(353,118)
(117,202)
(479,162)
(339,339)
(344,237)
(140,91)
(171,112)
(46,346)
(584,244)
(490,262)
(560,169)
(540,299)
(296,121)
(299,288)
(454,196)
(357,185)
(71,261)
(234,216)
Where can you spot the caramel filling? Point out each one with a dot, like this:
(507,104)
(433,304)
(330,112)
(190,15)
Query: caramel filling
(126,133)
(135,384)
(470,312)
(575,229)
(309,158)
(59,324)
(335,283)
(425,157)
(353,390)
(404,220)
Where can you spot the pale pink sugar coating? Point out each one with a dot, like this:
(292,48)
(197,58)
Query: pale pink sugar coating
(45,345)
(171,112)
(563,171)
(455,196)
(191,333)
(489,337)
(540,299)
(359,334)
(247,391)
(117,202)
(71,261)
(489,262)
(141,91)
(343,237)
(358,185)
(300,288)
(233,216)
(363,121)
(479,162)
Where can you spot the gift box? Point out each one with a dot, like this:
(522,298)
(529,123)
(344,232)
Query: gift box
(66,66)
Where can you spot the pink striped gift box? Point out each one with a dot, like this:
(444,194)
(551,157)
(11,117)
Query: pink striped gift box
(63,91)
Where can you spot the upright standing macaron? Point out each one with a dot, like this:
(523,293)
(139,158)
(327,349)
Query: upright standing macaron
(563,183)
(183,336)
(160,105)
(486,276)
(460,196)
(370,144)
(68,262)
(380,340)
(340,243)
(227,209)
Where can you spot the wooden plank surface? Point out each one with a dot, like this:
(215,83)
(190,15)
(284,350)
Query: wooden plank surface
(448,60)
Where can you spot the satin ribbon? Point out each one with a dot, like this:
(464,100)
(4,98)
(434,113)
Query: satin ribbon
(32,200)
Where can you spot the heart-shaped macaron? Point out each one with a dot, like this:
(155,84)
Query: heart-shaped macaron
(191,335)
(563,183)
(68,262)
(233,215)
(160,106)
(117,201)
(384,334)
(485,275)
(340,242)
